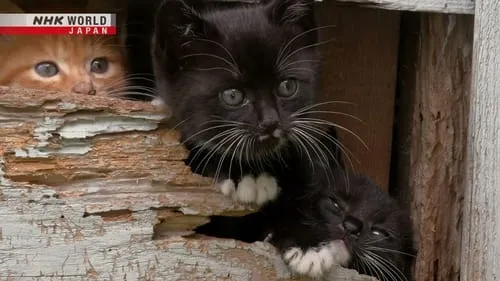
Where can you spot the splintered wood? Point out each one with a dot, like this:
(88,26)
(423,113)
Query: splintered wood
(95,188)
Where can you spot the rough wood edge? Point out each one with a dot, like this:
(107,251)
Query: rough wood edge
(98,228)
(435,87)
(481,218)
(438,6)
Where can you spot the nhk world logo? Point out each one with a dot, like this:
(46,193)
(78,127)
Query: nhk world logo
(64,24)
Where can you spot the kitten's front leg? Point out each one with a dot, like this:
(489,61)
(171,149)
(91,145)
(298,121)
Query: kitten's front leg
(316,261)
(306,244)
(247,189)
(251,190)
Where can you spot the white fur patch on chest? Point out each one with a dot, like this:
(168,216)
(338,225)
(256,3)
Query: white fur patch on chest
(315,262)
(251,190)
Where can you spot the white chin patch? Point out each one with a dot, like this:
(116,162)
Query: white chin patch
(315,262)
(251,190)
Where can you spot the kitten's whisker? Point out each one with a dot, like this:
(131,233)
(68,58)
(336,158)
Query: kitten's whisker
(140,74)
(334,157)
(317,150)
(125,80)
(311,106)
(331,124)
(371,242)
(213,68)
(222,47)
(178,124)
(245,143)
(133,88)
(299,61)
(367,262)
(125,94)
(289,55)
(212,56)
(284,47)
(389,251)
(373,264)
(390,267)
(330,112)
(136,87)
(201,147)
(230,138)
(239,142)
(207,129)
(297,70)
(386,266)
(296,137)
(345,151)
(226,122)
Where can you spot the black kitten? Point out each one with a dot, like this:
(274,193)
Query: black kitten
(240,81)
(351,223)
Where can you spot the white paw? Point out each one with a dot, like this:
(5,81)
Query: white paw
(314,262)
(158,102)
(227,187)
(250,190)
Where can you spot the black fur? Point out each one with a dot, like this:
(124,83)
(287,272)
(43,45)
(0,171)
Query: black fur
(312,219)
(201,50)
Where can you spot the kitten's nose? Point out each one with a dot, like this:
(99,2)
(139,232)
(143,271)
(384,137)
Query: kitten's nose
(269,119)
(86,88)
(269,127)
(352,225)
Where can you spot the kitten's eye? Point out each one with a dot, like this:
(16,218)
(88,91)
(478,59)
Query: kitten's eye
(288,88)
(46,69)
(232,97)
(99,65)
(379,232)
(335,204)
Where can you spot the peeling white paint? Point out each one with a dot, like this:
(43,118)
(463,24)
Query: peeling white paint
(30,152)
(45,128)
(3,180)
(188,211)
(81,129)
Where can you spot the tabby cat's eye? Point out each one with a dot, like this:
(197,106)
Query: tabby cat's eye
(46,69)
(232,97)
(288,88)
(99,65)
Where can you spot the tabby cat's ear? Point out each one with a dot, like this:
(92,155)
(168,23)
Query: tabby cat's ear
(299,12)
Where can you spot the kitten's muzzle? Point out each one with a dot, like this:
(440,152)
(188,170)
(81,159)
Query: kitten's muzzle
(352,226)
(86,88)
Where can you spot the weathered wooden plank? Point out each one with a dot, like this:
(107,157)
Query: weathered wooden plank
(437,6)
(433,95)
(481,237)
(95,188)
(359,67)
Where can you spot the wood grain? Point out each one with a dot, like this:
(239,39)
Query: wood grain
(481,239)
(433,95)
(359,67)
(436,6)
(95,188)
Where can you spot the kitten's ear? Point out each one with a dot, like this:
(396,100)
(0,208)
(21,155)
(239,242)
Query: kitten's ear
(299,12)
(175,21)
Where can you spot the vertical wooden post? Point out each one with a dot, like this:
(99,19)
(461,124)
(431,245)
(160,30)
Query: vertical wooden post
(434,78)
(360,67)
(481,235)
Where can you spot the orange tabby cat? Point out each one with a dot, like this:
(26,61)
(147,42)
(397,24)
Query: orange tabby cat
(79,64)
